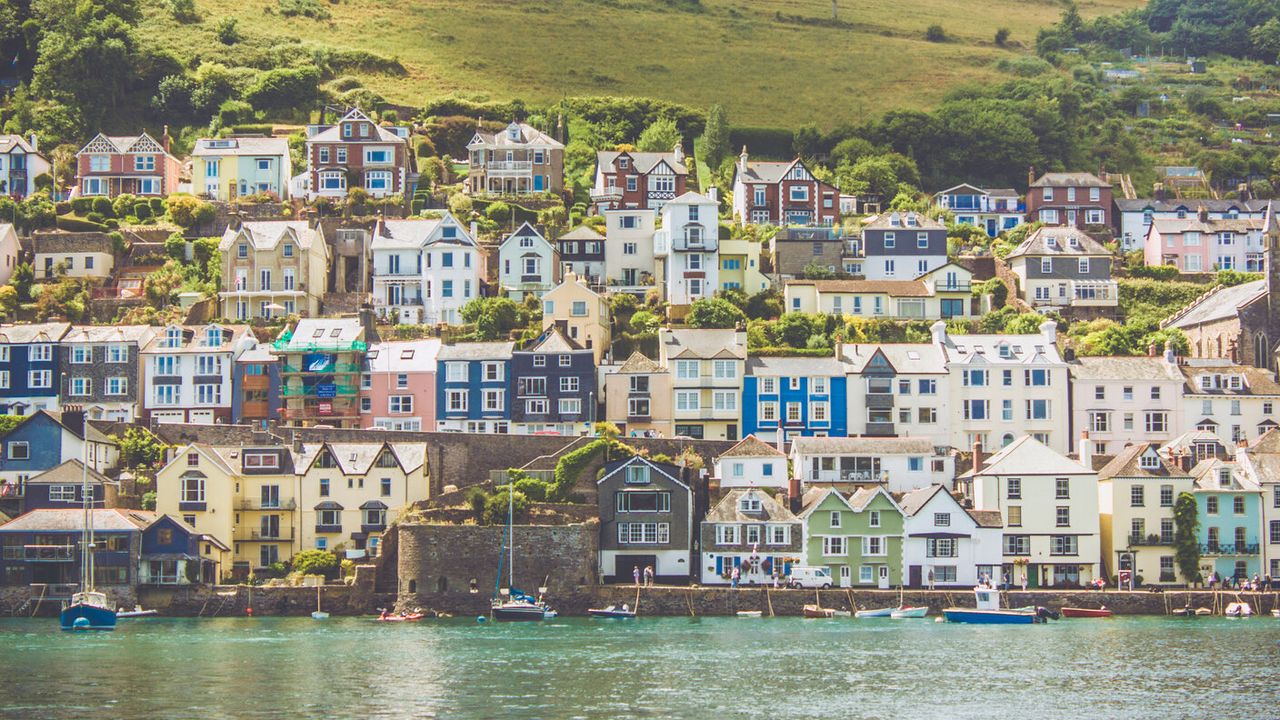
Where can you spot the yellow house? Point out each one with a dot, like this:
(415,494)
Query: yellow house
(706,368)
(581,312)
(740,266)
(227,168)
(273,268)
(1136,494)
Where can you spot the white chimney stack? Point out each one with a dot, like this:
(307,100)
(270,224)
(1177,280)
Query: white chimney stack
(1086,450)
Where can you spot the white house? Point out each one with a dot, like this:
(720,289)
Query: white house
(944,544)
(900,464)
(527,264)
(898,389)
(752,463)
(425,270)
(1125,400)
(8,252)
(20,164)
(186,372)
(629,262)
(1260,462)
(1049,507)
(1136,216)
(687,248)
(1235,402)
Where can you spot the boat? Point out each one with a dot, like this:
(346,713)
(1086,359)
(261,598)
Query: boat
(877,613)
(319,614)
(989,612)
(1203,611)
(1075,612)
(88,609)
(612,611)
(1238,610)
(1275,613)
(1187,612)
(750,614)
(817,611)
(136,612)
(518,606)
(415,616)
(909,612)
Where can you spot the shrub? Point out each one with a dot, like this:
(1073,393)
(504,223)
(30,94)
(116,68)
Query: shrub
(460,206)
(935,33)
(315,562)
(157,205)
(498,211)
(226,31)
(304,8)
(82,205)
(476,499)
(497,506)
(142,211)
(533,488)
(122,206)
(96,217)
(1002,36)
(184,11)
(1155,272)
(188,210)
(103,206)
(75,224)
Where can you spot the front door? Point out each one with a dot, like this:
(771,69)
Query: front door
(914,575)
(846,576)
(624,567)
(537,183)
(991,228)
(731,432)
(884,577)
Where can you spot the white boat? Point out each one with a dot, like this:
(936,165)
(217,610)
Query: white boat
(877,613)
(989,612)
(88,608)
(1238,610)
(518,606)
(136,612)
(1275,613)
(909,612)
(750,614)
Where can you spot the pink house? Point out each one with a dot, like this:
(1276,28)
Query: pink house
(1199,243)
(398,389)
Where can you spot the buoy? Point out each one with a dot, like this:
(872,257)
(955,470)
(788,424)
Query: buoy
(81,623)
(248,611)
(481,618)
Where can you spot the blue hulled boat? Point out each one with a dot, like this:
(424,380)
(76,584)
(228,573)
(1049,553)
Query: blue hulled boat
(88,609)
(989,612)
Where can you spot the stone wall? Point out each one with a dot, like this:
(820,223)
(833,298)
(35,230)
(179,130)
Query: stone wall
(445,559)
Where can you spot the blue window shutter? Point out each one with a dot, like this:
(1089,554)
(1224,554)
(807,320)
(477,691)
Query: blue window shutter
(719,564)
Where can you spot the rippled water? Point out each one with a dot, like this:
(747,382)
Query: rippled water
(660,667)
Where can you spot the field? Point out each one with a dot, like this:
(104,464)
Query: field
(769,62)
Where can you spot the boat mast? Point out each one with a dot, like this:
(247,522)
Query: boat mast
(86,559)
(511,546)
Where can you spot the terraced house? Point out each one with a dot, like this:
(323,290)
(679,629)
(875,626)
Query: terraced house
(273,269)
(1073,199)
(752,531)
(425,270)
(1137,491)
(1061,267)
(186,372)
(474,386)
(113,165)
(29,361)
(101,367)
(788,397)
(638,397)
(857,536)
(1122,401)
(321,361)
(646,520)
(555,383)
(234,167)
(1228,505)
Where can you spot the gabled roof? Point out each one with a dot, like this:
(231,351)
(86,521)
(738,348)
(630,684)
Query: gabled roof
(690,198)
(814,497)
(9,143)
(642,162)
(1190,206)
(72,520)
(1193,437)
(94,435)
(1217,304)
(552,340)
(905,358)
(909,220)
(241,146)
(758,171)
(68,472)
(702,343)
(404,356)
(333,133)
(268,234)
(892,288)
(525,230)
(358,458)
(863,496)
(1207,479)
(38,333)
(417,233)
(1076,179)
(476,351)
(1123,368)
(525,135)
(638,364)
(671,472)
(122,144)
(751,446)
(1128,464)
(778,366)
(1053,241)
(582,232)
(914,501)
(728,509)
(1028,456)
(108,334)
(1193,223)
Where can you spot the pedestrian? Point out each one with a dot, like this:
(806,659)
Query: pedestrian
(648,575)
(1257,583)
(930,578)
(1266,582)
(635,573)
(733,577)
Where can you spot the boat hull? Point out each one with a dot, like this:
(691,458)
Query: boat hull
(813,611)
(990,617)
(80,616)
(615,614)
(882,612)
(909,612)
(519,614)
(137,613)
(1085,612)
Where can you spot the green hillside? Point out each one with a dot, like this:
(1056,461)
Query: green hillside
(770,62)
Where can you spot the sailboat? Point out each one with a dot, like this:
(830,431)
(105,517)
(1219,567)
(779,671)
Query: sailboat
(518,605)
(88,608)
(319,614)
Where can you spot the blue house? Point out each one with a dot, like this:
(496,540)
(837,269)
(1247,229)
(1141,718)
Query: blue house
(29,356)
(63,487)
(1229,508)
(473,387)
(992,210)
(42,442)
(555,381)
(799,397)
(171,554)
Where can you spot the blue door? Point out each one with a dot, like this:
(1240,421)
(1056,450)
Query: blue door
(537,183)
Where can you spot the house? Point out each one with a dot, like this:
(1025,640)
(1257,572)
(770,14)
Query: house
(1232,401)
(629,263)
(474,386)
(527,264)
(1063,267)
(797,251)
(9,251)
(1049,507)
(273,268)
(582,253)
(1229,510)
(425,270)
(1260,464)
(555,384)
(945,544)
(398,385)
(229,168)
(706,368)
(902,245)
(898,389)
(131,547)
(1122,401)
(794,397)
(356,152)
(1200,243)
(255,387)
(687,248)
(581,313)
(74,254)
(942,294)
(646,520)
(631,180)
(781,193)
(101,367)
(113,165)
(1137,491)
(740,266)
(186,372)
(638,398)
(900,464)
(1135,217)
(752,463)
(858,536)
(992,210)
(518,160)
(1196,445)
(29,363)
(42,442)
(20,164)
(1074,199)
(321,362)
(752,531)
(62,487)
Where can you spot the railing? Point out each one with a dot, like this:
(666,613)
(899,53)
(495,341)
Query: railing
(313,413)
(1140,539)
(1228,549)
(509,166)
(270,535)
(612,193)
(48,553)
(323,529)
(314,391)
(850,476)
(879,401)
(337,368)
(258,504)
(880,429)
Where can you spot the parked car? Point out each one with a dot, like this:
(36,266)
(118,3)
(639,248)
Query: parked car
(809,577)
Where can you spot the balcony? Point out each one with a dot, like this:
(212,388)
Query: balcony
(848,476)
(1229,549)
(328,529)
(505,168)
(255,382)
(880,429)
(375,528)
(48,553)
(1094,293)
(255,410)
(607,195)
(269,535)
(258,504)
(1136,540)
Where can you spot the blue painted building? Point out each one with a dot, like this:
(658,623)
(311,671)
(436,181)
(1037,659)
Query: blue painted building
(474,387)
(800,397)
(29,376)
(63,487)
(555,382)
(1229,507)
(42,442)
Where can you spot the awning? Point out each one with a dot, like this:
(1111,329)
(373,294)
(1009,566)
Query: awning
(374,505)
(328,505)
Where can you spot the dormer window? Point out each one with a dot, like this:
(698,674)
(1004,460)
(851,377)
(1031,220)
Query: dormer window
(513,132)
(1004,352)
(1150,461)
(749,504)
(173,337)
(1074,241)
(346,130)
(624,163)
(213,337)
(1051,242)
(1206,382)
(1224,477)
(637,474)
(1235,382)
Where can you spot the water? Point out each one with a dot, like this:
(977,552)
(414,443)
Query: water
(660,667)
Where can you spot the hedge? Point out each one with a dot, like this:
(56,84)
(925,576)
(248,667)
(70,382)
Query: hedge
(75,224)
(784,351)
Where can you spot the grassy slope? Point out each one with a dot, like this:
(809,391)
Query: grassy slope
(734,52)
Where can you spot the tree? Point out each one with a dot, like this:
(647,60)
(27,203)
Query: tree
(764,305)
(22,280)
(284,89)
(714,313)
(645,322)
(188,210)
(226,31)
(494,317)
(715,136)
(497,506)
(661,136)
(460,206)
(139,448)
(315,562)
(161,286)
(1186,546)
(935,33)
(1002,36)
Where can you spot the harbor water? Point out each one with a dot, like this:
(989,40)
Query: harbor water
(1131,667)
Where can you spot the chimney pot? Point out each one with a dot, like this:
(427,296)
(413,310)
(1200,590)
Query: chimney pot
(977,456)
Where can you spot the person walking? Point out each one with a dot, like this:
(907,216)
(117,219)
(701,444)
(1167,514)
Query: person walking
(635,573)
(733,577)
(930,578)
(648,575)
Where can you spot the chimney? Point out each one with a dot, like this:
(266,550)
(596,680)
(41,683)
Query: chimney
(74,420)
(742,160)
(1085,451)
(1031,175)
(713,193)
(474,229)
(1049,329)
(938,332)
(793,489)
(370,324)
(295,441)
(1184,460)
(1170,356)
(35,143)
(1203,213)
(164,139)
(977,456)
(740,335)
(678,152)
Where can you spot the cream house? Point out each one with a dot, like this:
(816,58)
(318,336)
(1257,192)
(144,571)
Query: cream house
(706,367)
(637,397)
(1136,494)
(1121,401)
(273,268)
(581,312)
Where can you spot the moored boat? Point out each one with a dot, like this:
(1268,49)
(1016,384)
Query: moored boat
(817,611)
(385,616)
(1074,612)
(88,609)
(1238,610)
(909,612)
(136,612)
(520,608)
(612,611)
(989,612)
(750,614)
(877,613)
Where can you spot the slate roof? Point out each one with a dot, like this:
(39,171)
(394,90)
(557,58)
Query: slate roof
(1191,206)
(333,133)
(57,241)
(892,288)
(691,198)
(72,520)
(1023,349)
(1218,304)
(390,356)
(764,172)
(1128,464)
(702,343)
(66,473)
(1264,456)
(358,458)
(349,330)
(900,221)
(582,232)
(242,146)
(862,445)
(1205,474)
(643,162)
(987,518)
(553,340)
(776,366)
(1123,368)
(416,233)
(1256,380)
(1193,223)
(476,351)
(9,142)
(727,511)
(1037,243)
(1074,179)
(35,333)
(906,358)
(912,502)
(751,446)
(267,234)
(527,135)
(1028,456)
(109,334)
(639,364)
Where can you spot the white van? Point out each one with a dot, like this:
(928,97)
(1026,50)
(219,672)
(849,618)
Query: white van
(809,577)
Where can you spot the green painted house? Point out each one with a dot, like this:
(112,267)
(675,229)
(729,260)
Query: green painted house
(859,536)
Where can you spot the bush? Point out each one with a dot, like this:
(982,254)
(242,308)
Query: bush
(315,562)
(497,506)
(1155,272)
(1002,36)
(157,205)
(498,211)
(935,33)
(304,8)
(184,11)
(122,206)
(103,206)
(188,210)
(142,211)
(226,31)
(82,205)
(533,488)
(75,224)
(96,217)
(476,499)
